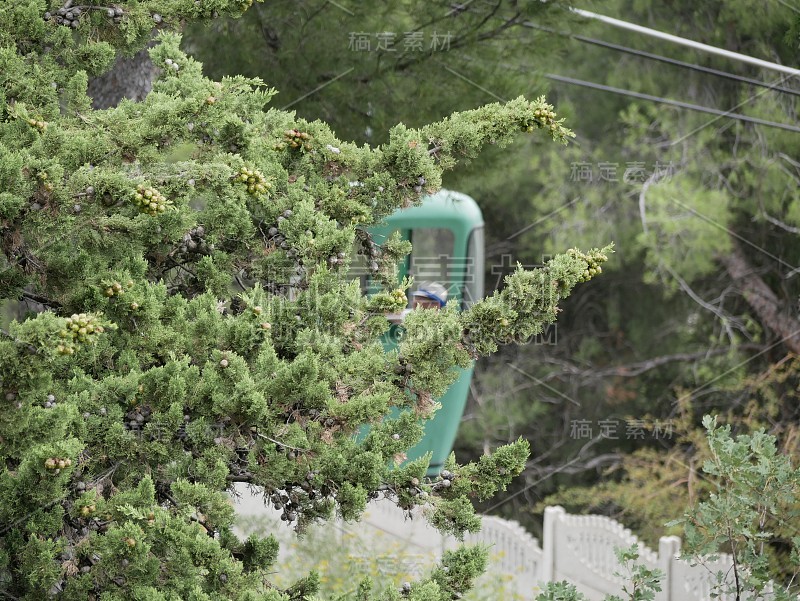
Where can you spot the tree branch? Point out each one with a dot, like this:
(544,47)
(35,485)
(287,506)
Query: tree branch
(639,367)
(781,224)
(627,370)
(762,299)
(725,318)
(42,300)
(589,464)
(30,347)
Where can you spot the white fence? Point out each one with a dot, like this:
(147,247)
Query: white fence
(579,549)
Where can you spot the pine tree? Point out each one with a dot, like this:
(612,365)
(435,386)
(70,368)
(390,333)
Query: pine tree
(182,261)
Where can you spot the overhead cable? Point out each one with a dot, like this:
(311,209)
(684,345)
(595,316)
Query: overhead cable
(666,59)
(686,42)
(678,103)
(650,97)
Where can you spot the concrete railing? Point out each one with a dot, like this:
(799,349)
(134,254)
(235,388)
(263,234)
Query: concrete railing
(578,549)
(514,553)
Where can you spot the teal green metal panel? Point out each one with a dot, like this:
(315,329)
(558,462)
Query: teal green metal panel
(440,432)
(461,215)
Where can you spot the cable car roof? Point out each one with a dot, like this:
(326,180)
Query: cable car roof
(446,207)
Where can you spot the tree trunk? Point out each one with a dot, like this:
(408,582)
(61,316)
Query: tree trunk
(762,299)
(131,77)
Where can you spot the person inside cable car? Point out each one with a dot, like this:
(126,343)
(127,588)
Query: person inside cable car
(428,295)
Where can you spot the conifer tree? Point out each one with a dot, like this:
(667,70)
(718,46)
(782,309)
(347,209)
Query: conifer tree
(189,320)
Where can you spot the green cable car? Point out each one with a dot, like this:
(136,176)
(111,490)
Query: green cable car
(446,232)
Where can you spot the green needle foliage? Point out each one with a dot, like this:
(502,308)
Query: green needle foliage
(191,323)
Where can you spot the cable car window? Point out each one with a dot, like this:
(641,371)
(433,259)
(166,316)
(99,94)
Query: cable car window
(474,280)
(432,257)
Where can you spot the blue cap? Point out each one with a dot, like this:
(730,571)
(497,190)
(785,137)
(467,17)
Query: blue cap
(433,291)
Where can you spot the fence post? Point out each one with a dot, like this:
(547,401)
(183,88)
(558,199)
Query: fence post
(551,516)
(668,548)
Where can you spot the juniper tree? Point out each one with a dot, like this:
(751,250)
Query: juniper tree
(189,320)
